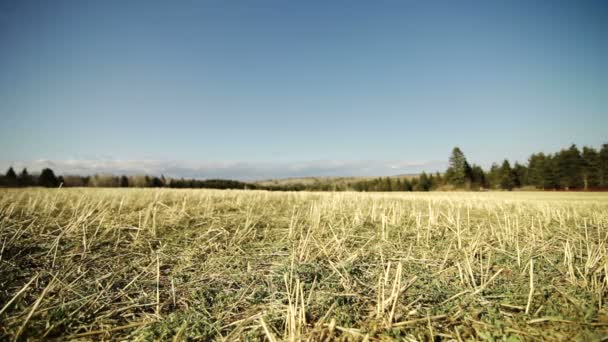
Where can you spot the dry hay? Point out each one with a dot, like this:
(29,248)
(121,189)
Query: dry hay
(143,264)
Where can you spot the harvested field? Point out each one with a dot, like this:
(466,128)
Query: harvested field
(144,264)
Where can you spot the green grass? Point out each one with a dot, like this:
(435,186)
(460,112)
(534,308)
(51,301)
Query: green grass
(144,264)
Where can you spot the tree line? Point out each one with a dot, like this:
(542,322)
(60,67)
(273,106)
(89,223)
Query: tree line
(47,178)
(567,169)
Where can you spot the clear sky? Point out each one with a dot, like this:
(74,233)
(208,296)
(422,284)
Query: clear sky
(288,88)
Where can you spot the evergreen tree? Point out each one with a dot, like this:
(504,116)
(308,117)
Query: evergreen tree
(11,177)
(414,184)
(494,176)
(459,172)
(24,178)
(432,182)
(507,176)
(387,184)
(398,185)
(407,185)
(438,179)
(156,182)
(536,173)
(591,168)
(521,175)
(124,181)
(424,182)
(478,177)
(603,166)
(48,179)
(365,186)
(550,172)
(569,168)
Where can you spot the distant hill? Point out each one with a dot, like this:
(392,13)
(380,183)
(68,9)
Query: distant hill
(325,180)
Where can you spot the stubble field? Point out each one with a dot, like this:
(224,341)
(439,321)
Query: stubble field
(148,264)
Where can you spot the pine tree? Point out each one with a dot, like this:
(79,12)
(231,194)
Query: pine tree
(603,166)
(507,177)
(550,172)
(414,184)
(591,168)
(536,165)
(48,179)
(569,168)
(24,178)
(478,177)
(387,185)
(11,177)
(407,185)
(493,177)
(124,181)
(398,185)
(521,175)
(424,182)
(438,179)
(459,172)
(156,182)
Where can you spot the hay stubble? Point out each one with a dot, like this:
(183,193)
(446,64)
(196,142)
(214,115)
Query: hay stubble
(204,264)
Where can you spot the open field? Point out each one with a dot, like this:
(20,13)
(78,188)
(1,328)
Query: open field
(144,264)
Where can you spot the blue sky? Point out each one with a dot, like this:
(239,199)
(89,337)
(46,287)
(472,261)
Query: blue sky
(255,89)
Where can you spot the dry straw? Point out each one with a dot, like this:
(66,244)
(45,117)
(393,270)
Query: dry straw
(147,264)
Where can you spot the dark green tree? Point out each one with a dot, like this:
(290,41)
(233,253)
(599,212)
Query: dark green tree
(603,166)
(550,172)
(156,182)
(591,168)
(414,183)
(459,171)
(521,175)
(478,177)
(48,179)
(494,176)
(536,170)
(424,182)
(25,179)
(398,185)
(10,178)
(387,185)
(507,176)
(438,179)
(124,181)
(406,185)
(569,168)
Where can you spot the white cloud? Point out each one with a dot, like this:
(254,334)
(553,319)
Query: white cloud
(232,170)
